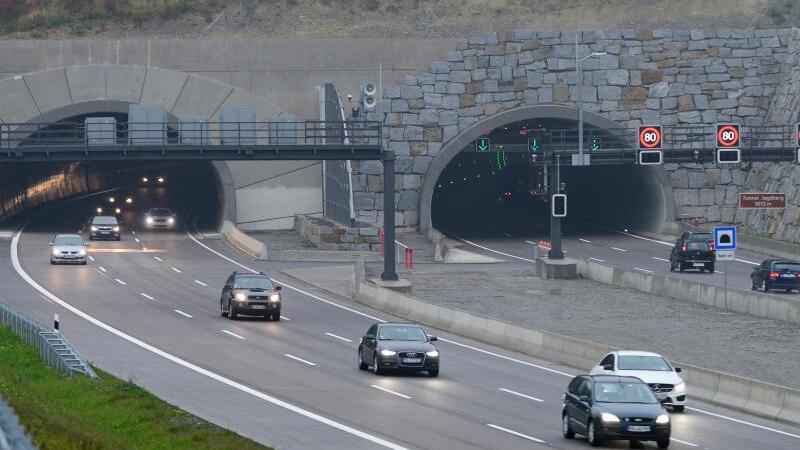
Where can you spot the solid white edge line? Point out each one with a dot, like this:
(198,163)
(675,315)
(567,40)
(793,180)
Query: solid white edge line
(336,336)
(598,260)
(389,391)
(515,433)
(200,283)
(642,270)
(507,358)
(660,259)
(619,249)
(299,359)
(519,394)
(494,251)
(120,281)
(743,422)
(146,296)
(176,270)
(102,269)
(231,333)
(158,259)
(683,442)
(182,313)
(193,367)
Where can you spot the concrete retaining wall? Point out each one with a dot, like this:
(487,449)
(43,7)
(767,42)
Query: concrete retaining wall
(744,394)
(327,235)
(243,242)
(746,302)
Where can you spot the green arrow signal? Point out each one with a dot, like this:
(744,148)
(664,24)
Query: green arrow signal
(482,145)
(533,145)
(595,144)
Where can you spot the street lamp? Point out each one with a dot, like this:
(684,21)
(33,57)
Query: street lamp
(579,82)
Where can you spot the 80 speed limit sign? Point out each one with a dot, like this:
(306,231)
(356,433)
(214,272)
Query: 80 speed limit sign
(650,137)
(728,135)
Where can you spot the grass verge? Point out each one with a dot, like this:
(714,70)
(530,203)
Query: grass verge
(77,413)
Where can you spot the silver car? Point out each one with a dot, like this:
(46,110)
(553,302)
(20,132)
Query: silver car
(68,249)
(159,218)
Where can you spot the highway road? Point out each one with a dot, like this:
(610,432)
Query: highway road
(295,383)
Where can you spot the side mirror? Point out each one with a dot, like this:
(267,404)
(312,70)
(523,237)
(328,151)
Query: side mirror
(678,370)
(585,399)
(608,367)
(51,244)
(278,288)
(433,338)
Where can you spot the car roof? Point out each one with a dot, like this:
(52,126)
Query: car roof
(781,261)
(68,235)
(259,275)
(614,378)
(407,324)
(635,353)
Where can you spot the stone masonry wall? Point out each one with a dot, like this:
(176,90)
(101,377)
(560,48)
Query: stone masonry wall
(697,77)
(328,235)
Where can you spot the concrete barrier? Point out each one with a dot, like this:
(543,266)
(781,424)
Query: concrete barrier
(746,302)
(243,242)
(723,389)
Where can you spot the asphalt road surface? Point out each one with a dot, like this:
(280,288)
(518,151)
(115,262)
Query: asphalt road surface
(149,306)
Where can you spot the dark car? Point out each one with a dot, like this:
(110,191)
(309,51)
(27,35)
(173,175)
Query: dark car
(250,294)
(104,227)
(693,250)
(606,408)
(776,274)
(398,346)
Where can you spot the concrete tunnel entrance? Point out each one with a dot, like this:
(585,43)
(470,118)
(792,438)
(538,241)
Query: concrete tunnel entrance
(502,192)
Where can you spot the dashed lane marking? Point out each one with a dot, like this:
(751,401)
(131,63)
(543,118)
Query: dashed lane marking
(147,296)
(200,283)
(519,394)
(157,258)
(230,333)
(598,260)
(299,359)
(182,313)
(619,249)
(120,281)
(642,270)
(389,391)
(585,240)
(515,433)
(176,270)
(335,336)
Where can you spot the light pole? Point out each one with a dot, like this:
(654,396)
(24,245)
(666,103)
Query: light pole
(579,81)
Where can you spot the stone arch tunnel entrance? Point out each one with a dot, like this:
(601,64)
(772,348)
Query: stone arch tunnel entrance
(504,189)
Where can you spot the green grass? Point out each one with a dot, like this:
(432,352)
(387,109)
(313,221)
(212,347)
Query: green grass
(78,413)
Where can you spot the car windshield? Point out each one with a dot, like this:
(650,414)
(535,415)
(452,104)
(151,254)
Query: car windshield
(252,283)
(160,212)
(401,333)
(793,266)
(702,236)
(697,245)
(630,362)
(626,392)
(104,220)
(68,240)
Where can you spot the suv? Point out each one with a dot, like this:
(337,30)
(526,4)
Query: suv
(693,250)
(104,227)
(250,294)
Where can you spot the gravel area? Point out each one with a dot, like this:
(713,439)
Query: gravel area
(281,240)
(687,332)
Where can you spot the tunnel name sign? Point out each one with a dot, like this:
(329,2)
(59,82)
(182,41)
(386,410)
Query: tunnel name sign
(756,200)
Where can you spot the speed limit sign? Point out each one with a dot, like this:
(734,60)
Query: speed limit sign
(728,135)
(650,137)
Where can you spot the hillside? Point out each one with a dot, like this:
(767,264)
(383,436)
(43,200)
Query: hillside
(372,18)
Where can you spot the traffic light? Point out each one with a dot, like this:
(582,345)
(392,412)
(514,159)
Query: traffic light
(559,205)
(533,145)
(650,157)
(728,156)
(595,144)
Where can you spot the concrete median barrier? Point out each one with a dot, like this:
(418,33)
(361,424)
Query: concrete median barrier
(744,394)
(243,242)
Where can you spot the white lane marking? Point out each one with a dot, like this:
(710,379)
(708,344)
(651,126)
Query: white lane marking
(669,244)
(642,270)
(507,234)
(182,313)
(598,260)
(200,283)
(137,240)
(102,269)
(286,318)
(659,259)
(335,336)
(176,270)
(495,251)
(515,433)
(389,391)
(717,271)
(299,359)
(146,296)
(120,281)
(743,422)
(619,249)
(519,394)
(91,258)
(133,232)
(193,367)
(157,258)
(585,240)
(232,334)
(507,358)
(683,442)
(531,242)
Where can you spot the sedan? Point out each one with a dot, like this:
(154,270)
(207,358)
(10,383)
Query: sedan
(776,274)
(68,249)
(611,408)
(159,218)
(653,369)
(398,346)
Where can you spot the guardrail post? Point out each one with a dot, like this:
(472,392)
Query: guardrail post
(389,272)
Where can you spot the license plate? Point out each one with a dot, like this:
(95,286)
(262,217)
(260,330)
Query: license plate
(639,428)
(105,232)
(699,264)
(788,275)
(259,307)
(412,360)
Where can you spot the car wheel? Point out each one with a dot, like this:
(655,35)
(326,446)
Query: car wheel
(231,312)
(678,408)
(566,429)
(711,268)
(222,310)
(764,287)
(753,286)
(433,373)
(83,263)
(663,443)
(376,365)
(680,267)
(276,317)
(671,266)
(52,262)
(592,436)
(361,364)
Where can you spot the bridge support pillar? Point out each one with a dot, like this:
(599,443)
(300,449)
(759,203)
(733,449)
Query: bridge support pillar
(389,273)
(555,222)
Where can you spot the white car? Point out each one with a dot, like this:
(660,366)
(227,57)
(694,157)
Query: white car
(651,368)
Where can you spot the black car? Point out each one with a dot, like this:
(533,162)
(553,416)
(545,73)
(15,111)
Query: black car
(250,294)
(693,250)
(104,227)
(606,408)
(398,346)
(776,274)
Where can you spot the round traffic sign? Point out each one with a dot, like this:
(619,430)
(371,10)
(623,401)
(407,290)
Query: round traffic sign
(728,136)
(650,137)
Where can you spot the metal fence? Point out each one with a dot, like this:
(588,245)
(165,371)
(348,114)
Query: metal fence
(53,348)
(338,194)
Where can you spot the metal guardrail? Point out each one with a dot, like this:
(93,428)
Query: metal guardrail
(12,434)
(53,348)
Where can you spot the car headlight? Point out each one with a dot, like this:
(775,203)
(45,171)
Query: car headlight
(55,252)
(171,220)
(82,252)
(240,296)
(160,179)
(129,200)
(94,228)
(433,354)
(148,220)
(116,229)
(111,199)
(118,210)
(680,387)
(386,352)
(145,179)
(609,418)
(662,419)
(275,298)
(99,210)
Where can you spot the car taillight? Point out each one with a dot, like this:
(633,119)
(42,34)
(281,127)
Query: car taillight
(774,274)
(798,275)
(711,245)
